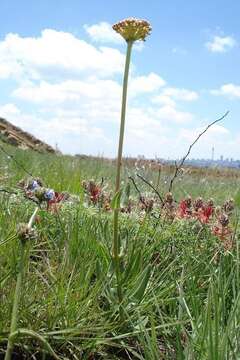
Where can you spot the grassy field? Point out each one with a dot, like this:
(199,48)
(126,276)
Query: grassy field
(180,282)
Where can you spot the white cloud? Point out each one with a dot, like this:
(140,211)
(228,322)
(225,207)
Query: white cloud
(72,96)
(214,132)
(90,88)
(73,134)
(218,136)
(9,69)
(168,113)
(169,95)
(8,110)
(221,44)
(148,131)
(145,84)
(55,52)
(229,90)
(181,94)
(163,100)
(145,133)
(69,91)
(103,33)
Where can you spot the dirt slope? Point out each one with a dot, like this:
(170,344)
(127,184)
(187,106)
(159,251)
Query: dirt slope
(15,136)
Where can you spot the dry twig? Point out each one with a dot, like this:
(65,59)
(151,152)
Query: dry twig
(152,187)
(178,166)
(15,160)
(8,191)
(141,199)
(135,185)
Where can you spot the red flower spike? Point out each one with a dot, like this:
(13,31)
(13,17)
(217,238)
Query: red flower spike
(52,205)
(184,210)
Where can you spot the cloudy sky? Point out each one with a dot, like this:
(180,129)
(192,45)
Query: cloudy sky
(61,68)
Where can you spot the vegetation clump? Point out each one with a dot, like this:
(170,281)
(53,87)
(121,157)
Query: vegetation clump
(112,260)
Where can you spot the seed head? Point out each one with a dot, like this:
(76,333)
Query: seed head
(223,219)
(198,203)
(84,184)
(25,233)
(188,201)
(228,206)
(169,197)
(218,210)
(132,29)
(210,202)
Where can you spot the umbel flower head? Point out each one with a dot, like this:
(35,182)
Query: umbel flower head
(133,29)
(25,233)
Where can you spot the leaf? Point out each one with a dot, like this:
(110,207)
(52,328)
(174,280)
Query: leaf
(115,203)
(98,269)
(133,265)
(142,323)
(237,198)
(127,190)
(143,282)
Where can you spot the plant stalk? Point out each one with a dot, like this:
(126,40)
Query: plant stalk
(16,302)
(116,240)
(17,295)
(158,178)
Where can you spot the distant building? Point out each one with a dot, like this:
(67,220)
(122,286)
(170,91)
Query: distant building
(231,163)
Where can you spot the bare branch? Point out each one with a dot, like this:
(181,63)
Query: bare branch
(141,198)
(17,193)
(8,191)
(135,185)
(33,200)
(14,159)
(178,166)
(152,187)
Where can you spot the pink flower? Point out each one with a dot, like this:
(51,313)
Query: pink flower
(53,204)
(184,209)
(204,214)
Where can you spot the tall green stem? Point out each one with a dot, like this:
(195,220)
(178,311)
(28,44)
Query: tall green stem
(17,295)
(116,240)
(16,302)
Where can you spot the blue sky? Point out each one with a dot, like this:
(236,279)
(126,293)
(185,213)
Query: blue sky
(61,69)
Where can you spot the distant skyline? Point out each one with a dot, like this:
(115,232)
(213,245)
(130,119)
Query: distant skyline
(61,68)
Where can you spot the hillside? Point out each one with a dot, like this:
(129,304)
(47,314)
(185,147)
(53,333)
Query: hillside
(15,136)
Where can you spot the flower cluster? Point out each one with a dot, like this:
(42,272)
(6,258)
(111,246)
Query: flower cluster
(222,230)
(169,206)
(96,194)
(217,217)
(25,233)
(203,211)
(198,209)
(188,209)
(133,29)
(128,207)
(93,190)
(146,204)
(34,190)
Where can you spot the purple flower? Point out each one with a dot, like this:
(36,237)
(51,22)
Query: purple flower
(33,185)
(49,194)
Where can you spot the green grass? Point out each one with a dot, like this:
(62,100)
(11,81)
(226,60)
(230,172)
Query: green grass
(181,290)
